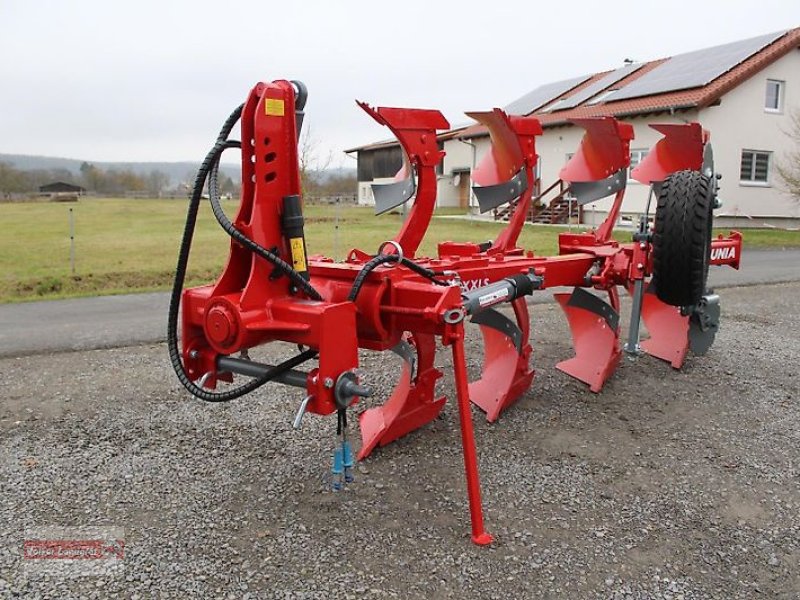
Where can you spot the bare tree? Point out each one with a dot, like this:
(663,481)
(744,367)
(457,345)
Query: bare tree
(157,182)
(11,180)
(789,167)
(312,161)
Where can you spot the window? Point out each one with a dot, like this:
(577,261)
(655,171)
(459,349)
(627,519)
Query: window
(637,155)
(755,167)
(774,98)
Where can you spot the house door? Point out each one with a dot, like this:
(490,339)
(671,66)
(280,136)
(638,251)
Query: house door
(463,189)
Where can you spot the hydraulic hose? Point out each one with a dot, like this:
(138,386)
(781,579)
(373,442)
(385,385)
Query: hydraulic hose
(210,166)
(387,258)
(230,229)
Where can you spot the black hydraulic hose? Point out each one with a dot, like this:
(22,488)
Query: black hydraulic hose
(212,160)
(230,229)
(387,258)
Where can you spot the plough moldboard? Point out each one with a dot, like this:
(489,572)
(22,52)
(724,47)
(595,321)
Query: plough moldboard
(395,300)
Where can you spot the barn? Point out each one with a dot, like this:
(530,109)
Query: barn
(60,187)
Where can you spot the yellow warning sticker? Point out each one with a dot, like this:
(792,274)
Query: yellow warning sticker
(298,254)
(274,107)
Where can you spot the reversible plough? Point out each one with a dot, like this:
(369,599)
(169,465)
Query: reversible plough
(271,290)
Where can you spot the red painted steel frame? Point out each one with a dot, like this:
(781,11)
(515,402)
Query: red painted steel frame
(416,130)
(479,535)
(249,306)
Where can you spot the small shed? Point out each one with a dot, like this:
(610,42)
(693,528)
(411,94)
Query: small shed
(60,187)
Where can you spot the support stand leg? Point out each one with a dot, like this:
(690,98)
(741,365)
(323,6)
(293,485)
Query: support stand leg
(479,535)
(632,347)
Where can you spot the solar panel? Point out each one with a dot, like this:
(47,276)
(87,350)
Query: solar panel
(542,95)
(694,69)
(598,86)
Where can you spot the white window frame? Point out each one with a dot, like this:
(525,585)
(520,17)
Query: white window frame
(781,86)
(754,182)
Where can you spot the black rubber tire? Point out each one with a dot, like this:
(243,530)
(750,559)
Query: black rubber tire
(682,238)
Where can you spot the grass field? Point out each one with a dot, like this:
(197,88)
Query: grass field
(131,245)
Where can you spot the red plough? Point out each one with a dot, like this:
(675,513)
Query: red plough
(271,290)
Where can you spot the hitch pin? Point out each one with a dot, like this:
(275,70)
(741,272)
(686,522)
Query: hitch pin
(298,418)
(454,277)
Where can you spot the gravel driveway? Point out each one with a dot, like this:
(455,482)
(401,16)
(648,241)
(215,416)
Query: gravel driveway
(666,485)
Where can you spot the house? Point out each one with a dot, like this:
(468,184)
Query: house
(744,93)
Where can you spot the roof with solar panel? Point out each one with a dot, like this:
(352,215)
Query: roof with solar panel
(691,80)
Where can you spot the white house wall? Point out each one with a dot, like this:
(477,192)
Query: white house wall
(741,123)
(459,158)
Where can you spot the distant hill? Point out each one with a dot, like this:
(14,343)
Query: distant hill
(327,174)
(178,172)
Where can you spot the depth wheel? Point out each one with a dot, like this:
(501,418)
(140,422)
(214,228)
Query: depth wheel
(682,238)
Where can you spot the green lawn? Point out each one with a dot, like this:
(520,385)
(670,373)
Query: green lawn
(131,245)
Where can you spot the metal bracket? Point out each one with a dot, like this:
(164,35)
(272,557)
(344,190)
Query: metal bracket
(632,347)
(454,316)
(704,324)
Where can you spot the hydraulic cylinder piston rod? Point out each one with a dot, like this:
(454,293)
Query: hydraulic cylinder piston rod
(505,290)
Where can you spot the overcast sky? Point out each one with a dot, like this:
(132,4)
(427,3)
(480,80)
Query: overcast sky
(152,80)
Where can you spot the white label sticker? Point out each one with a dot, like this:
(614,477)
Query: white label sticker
(493,297)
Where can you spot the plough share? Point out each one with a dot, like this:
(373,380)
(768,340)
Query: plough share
(272,290)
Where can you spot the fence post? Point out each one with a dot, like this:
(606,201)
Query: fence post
(72,241)
(336,229)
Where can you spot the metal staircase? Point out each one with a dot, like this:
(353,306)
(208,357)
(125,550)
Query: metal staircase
(556,211)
